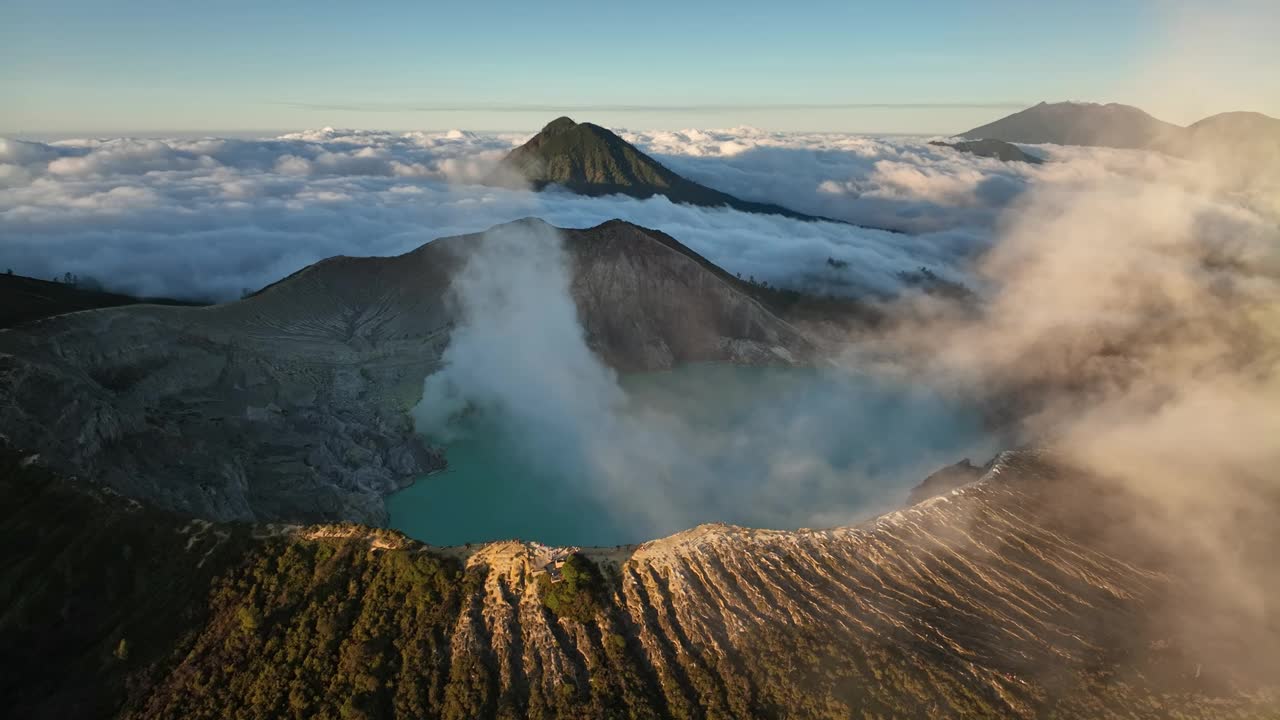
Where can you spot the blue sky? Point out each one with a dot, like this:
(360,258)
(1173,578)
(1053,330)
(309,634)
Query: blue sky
(134,66)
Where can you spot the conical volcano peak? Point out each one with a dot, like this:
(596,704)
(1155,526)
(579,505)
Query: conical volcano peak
(589,159)
(560,124)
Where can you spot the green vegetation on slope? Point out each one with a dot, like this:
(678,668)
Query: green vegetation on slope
(324,629)
(586,156)
(94,592)
(111,609)
(577,594)
(590,160)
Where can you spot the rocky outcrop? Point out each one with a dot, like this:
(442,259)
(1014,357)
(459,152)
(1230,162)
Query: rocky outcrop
(945,480)
(291,404)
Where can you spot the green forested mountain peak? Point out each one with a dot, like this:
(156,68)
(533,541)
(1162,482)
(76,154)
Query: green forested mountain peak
(588,159)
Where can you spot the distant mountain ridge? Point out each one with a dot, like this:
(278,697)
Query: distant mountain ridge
(587,159)
(1244,147)
(988,148)
(1072,123)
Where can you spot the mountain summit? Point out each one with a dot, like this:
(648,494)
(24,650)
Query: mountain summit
(1244,147)
(338,351)
(1073,123)
(590,160)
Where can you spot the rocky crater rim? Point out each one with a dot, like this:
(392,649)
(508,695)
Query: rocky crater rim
(291,405)
(518,554)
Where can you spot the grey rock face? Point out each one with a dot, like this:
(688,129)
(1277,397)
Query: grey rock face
(291,404)
(648,303)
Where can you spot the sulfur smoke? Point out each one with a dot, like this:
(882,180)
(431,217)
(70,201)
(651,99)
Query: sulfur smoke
(1134,328)
(803,448)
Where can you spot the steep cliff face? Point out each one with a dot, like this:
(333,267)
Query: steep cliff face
(291,404)
(998,599)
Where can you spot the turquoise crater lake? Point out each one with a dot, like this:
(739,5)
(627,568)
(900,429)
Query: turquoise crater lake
(761,447)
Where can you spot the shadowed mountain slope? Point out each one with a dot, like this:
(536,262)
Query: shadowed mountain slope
(1000,599)
(291,404)
(590,160)
(26,299)
(997,149)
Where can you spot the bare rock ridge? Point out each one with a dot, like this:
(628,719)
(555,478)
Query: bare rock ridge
(591,160)
(946,479)
(291,404)
(998,599)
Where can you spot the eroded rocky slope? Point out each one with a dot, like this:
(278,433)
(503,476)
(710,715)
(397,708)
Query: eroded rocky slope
(999,599)
(291,404)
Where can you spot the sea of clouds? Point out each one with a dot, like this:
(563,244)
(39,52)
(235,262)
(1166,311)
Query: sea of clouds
(209,218)
(1130,300)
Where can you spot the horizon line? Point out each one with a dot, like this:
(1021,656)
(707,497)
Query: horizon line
(695,107)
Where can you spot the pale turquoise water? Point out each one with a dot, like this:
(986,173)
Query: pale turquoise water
(761,447)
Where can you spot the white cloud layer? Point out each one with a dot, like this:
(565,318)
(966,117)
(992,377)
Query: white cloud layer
(210,217)
(1130,298)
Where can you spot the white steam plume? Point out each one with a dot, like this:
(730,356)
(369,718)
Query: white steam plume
(1134,326)
(813,448)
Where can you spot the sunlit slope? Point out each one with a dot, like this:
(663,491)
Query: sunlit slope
(1000,599)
